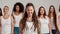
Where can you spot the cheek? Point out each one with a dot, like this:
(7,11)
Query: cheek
(17,8)
(42,12)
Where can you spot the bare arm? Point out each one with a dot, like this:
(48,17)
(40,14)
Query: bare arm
(57,21)
(50,27)
(0,26)
(12,25)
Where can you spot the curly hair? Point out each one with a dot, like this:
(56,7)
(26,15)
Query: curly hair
(21,6)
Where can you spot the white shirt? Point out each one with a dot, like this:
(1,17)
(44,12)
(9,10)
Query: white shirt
(17,19)
(44,25)
(6,25)
(30,28)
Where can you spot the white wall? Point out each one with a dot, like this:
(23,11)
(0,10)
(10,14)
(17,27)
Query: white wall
(37,4)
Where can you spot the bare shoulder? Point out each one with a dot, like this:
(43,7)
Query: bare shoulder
(47,17)
(0,17)
(58,14)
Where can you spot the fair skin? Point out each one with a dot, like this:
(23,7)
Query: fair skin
(0,26)
(6,16)
(52,10)
(30,11)
(41,16)
(58,15)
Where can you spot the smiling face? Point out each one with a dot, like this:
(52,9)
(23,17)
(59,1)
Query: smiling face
(42,11)
(30,10)
(6,9)
(17,8)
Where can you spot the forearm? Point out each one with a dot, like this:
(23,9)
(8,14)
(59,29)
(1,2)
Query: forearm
(0,30)
(50,29)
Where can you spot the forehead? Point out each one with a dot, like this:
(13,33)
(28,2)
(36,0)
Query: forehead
(6,7)
(30,7)
(51,7)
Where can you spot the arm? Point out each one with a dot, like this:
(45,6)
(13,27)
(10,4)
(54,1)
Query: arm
(50,27)
(20,29)
(12,25)
(57,21)
(0,26)
(39,29)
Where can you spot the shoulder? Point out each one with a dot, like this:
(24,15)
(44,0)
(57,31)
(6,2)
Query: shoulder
(58,14)
(46,17)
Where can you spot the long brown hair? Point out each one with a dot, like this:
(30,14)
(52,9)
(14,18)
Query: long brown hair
(59,8)
(40,10)
(34,19)
(54,16)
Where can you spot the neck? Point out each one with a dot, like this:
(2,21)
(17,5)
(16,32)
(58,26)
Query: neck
(6,15)
(29,18)
(51,14)
(41,16)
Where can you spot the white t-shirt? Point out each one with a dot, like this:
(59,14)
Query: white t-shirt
(30,28)
(6,25)
(17,19)
(44,25)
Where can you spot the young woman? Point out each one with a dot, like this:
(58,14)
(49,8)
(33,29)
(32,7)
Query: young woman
(58,21)
(52,16)
(17,15)
(0,20)
(7,22)
(44,20)
(29,23)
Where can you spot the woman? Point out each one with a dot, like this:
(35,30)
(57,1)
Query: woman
(17,14)
(29,23)
(58,21)
(7,22)
(44,20)
(52,16)
(0,20)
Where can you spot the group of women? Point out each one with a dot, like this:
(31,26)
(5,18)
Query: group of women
(25,21)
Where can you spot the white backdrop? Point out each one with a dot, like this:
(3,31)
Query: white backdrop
(37,4)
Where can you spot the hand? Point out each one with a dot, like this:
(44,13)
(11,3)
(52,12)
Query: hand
(51,33)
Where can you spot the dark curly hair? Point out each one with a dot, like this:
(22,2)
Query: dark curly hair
(21,6)
(0,12)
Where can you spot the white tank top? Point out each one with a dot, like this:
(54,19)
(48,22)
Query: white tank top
(6,25)
(52,23)
(29,29)
(17,19)
(44,25)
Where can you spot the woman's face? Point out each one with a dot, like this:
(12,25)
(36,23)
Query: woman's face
(52,9)
(6,9)
(17,8)
(42,11)
(30,10)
